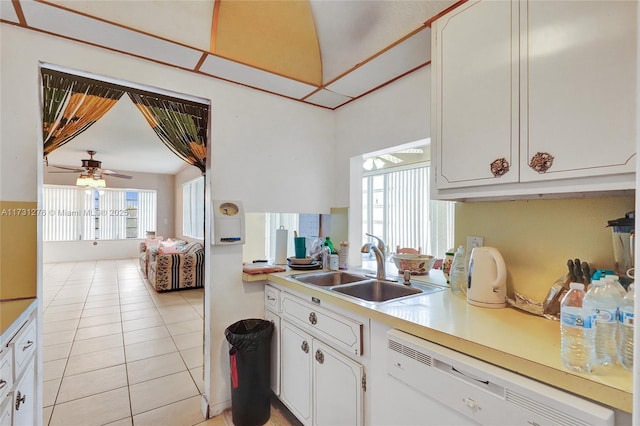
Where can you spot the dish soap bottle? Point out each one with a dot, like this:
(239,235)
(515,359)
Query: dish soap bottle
(459,272)
(329,244)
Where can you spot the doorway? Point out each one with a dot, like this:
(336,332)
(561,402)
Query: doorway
(108,336)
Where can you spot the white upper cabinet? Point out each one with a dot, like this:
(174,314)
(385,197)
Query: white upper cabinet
(534,97)
(475,69)
(578,91)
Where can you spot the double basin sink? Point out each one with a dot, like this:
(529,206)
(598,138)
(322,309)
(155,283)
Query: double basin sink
(362,287)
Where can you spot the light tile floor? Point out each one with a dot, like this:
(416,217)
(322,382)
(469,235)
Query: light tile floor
(117,352)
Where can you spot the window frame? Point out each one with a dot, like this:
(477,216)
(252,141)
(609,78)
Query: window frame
(195,213)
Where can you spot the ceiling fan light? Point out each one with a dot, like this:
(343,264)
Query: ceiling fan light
(91,182)
(368,164)
(83,181)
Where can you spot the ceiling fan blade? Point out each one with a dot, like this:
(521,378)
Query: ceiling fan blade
(66,171)
(115,174)
(118,175)
(75,169)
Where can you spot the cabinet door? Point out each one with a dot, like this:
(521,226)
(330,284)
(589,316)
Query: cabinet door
(295,371)
(6,410)
(475,94)
(24,396)
(6,371)
(578,87)
(275,351)
(338,388)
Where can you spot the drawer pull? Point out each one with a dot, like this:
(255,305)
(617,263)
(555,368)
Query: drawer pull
(3,383)
(271,298)
(28,345)
(313,319)
(305,347)
(20,400)
(319,356)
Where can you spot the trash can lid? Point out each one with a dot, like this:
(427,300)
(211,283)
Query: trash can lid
(248,333)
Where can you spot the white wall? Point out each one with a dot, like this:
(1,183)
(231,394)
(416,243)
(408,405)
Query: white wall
(270,152)
(394,115)
(398,113)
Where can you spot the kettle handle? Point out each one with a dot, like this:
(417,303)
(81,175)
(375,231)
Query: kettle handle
(501,276)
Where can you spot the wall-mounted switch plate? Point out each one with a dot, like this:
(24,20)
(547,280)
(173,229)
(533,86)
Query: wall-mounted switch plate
(474,242)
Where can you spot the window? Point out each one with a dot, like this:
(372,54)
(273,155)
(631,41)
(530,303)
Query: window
(193,208)
(396,205)
(72,213)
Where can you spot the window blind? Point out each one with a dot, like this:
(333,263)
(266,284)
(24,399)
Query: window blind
(73,213)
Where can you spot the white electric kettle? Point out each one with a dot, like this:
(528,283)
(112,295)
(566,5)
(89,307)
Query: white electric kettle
(487,285)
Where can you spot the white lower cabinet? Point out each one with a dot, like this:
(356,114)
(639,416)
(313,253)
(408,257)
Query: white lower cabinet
(295,371)
(338,387)
(24,396)
(320,385)
(18,392)
(275,351)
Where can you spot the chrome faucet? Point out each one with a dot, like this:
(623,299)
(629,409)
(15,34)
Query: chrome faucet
(379,251)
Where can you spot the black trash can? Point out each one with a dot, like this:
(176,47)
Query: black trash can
(250,369)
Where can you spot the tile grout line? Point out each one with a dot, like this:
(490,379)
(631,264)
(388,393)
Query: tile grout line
(120,294)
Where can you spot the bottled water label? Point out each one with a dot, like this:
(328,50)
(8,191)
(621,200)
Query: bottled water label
(606,315)
(575,317)
(625,318)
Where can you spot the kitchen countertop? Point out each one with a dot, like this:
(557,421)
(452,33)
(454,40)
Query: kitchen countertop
(11,310)
(523,343)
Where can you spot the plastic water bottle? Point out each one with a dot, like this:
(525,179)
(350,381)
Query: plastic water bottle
(603,298)
(577,331)
(625,329)
(458,272)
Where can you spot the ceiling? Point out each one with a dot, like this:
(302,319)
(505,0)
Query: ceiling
(322,52)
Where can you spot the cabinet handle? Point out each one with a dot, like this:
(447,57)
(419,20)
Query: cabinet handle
(271,299)
(3,383)
(28,345)
(541,162)
(305,347)
(499,167)
(313,319)
(20,400)
(319,356)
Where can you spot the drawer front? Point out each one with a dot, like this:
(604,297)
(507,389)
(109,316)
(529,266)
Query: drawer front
(24,345)
(272,299)
(6,371)
(327,325)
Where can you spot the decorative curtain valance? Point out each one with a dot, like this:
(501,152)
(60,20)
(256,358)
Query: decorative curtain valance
(182,126)
(71,105)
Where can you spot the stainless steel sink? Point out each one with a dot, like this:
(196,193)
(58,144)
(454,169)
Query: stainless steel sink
(378,290)
(329,279)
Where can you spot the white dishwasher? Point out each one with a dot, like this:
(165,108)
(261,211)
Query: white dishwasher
(462,389)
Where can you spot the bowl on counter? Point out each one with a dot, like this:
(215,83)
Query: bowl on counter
(416,264)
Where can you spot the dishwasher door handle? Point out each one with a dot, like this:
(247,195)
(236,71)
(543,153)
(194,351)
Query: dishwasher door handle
(469,376)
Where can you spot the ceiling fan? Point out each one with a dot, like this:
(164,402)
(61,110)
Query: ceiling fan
(90,168)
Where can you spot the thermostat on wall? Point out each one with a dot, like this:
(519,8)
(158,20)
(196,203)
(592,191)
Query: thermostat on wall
(228,222)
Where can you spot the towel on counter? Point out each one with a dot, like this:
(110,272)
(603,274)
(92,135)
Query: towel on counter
(261,268)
